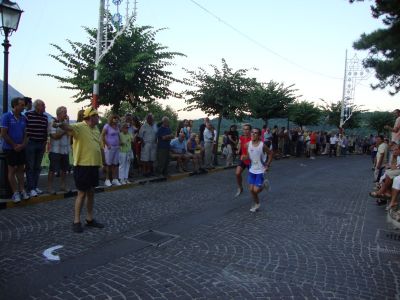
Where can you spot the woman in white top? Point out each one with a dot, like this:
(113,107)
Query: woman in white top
(258,153)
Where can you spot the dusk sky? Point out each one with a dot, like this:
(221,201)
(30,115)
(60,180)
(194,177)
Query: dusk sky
(294,42)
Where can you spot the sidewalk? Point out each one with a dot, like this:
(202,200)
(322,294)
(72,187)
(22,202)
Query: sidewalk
(136,179)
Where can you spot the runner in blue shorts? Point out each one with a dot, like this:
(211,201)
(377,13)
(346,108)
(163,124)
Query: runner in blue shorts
(258,153)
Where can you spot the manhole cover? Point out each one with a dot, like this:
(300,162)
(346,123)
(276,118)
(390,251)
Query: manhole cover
(156,238)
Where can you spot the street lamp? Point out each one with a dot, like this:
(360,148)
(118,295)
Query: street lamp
(10,15)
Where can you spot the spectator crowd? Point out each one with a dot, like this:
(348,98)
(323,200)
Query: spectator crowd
(130,145)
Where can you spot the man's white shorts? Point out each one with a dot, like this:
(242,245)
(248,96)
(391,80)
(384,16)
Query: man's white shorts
(396,183)
(148,152)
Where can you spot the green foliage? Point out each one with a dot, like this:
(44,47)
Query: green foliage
(133,71)
(378,119)
(271,100)
(304,113)
(155,108)
(222,93)
(331,112)
(384,45)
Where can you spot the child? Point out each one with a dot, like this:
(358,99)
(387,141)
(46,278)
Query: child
(125,153)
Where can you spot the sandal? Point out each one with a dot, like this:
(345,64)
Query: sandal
(375,195)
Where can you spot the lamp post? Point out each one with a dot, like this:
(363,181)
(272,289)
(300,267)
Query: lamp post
(10,16)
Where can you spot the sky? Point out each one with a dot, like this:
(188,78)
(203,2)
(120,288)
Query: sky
(290,42)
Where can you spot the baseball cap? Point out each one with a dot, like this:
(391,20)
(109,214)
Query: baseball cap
(90,111)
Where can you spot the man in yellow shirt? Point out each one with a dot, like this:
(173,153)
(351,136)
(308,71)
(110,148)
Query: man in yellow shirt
(87,155)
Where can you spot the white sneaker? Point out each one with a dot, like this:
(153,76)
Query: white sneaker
(255,207)
(24,195)
(38,191)
(239,191)
(107,182)
(116,182)
(16,197)
(127,181)
(252,208)
(33,193)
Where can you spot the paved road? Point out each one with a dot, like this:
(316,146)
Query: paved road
(317,236)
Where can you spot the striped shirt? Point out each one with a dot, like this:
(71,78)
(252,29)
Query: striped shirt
(36,126)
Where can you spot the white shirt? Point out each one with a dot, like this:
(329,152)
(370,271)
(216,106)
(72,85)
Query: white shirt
(148,133)
(208,136)
(333,140)
(257,158)
(62,145)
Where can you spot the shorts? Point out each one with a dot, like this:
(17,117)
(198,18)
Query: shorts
(58,162)
(14,158)
(392,173)
(313,146)
(396,183)
(86,177)
(243,165)
(256,179)
(111,156)
(149,151)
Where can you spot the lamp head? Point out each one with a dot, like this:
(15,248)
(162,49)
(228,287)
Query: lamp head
(10,15)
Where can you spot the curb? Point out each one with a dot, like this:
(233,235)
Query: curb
(101,189)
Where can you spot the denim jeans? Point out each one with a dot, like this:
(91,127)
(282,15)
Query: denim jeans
(34,154)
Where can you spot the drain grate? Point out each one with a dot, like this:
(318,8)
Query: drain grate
(393,236)
(387,236)
(155,238)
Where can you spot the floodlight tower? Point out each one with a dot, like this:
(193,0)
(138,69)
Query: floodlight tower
(354,72)
(110,17)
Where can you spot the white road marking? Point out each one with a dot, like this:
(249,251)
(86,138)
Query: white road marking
(48,253)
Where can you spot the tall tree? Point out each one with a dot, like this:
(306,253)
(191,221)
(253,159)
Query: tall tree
(221,93)
(271,100)
(331,112)
(384,45)
(135,70)
(378,119)
(304,113)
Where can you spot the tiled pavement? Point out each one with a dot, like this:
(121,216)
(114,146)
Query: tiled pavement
(318,236)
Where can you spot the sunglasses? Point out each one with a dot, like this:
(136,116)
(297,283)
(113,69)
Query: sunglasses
(255,132)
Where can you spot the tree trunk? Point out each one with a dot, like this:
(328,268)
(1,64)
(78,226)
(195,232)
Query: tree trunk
(216,146)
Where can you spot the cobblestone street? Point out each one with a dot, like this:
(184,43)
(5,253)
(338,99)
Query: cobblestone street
(318,235)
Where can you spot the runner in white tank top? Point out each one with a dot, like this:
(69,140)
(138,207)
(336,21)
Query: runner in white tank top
(257,158)
(257,153)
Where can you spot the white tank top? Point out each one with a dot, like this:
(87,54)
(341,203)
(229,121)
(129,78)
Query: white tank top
(257,158)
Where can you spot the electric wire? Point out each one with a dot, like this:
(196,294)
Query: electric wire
(260,44)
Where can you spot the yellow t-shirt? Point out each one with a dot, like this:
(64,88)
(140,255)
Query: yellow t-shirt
(86,145)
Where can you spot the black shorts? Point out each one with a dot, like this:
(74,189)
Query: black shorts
(242,165)
(58,162)
(86,177)
(14,158)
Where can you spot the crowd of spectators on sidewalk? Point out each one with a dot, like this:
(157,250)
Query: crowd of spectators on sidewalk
(127,146)
(130,146)
(385,155)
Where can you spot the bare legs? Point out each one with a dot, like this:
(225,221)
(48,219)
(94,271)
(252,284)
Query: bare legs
(80,199)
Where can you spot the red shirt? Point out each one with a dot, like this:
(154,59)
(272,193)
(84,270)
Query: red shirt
(313,138)
(243,148)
